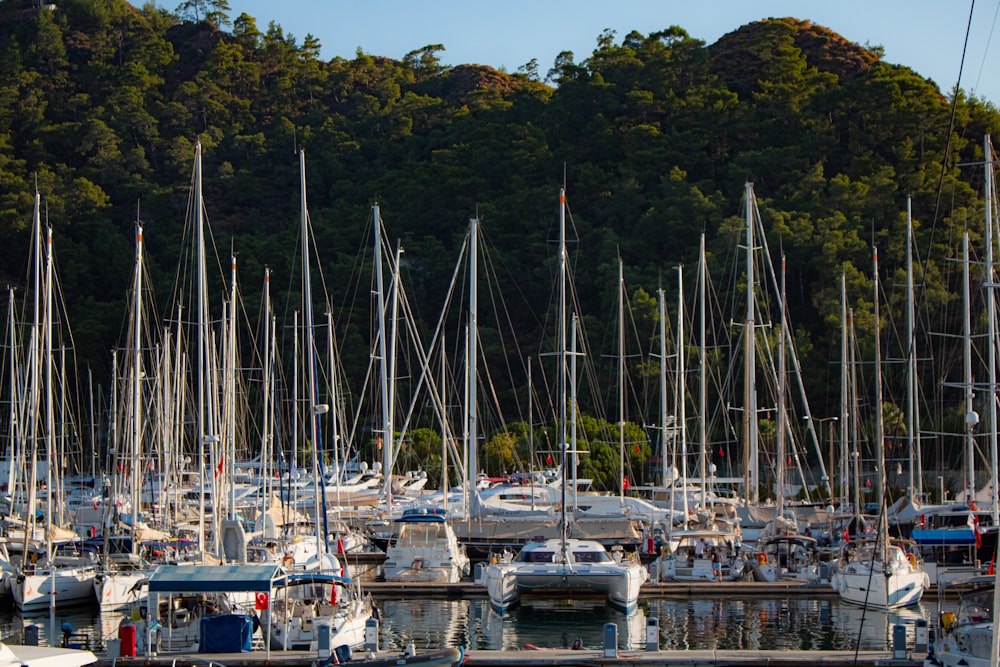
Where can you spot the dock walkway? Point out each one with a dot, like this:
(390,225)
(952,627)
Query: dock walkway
(560,657)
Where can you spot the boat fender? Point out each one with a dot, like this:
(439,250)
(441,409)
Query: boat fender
(762,559)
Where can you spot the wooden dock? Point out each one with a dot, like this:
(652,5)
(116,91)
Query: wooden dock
(561,657)
(705,590)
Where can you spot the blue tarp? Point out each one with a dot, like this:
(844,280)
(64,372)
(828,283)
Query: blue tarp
(212,578)
(226,633)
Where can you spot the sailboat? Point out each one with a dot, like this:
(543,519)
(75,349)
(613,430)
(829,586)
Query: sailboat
(322,595)
(971,637)
(563,562)
(70,577)
(879,572)
(119,580)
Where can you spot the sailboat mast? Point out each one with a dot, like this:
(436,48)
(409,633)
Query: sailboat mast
(991,316)
(750,365)
(206,415)
(383,352)
(50,427)
(780,491)
(472,361)
(664,427)
(313,407)
(912,417)
(971,418)
(855,454)
(572,452)
(137,374)
(621,382)
(562,359)
(682,387)
(844,392)
(266,422)
(702,359)
(879,425)
(230,408)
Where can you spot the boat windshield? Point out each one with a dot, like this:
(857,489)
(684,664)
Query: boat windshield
(976,607)
(591,557)
(418,535)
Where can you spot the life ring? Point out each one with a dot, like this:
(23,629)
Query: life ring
(912,559)
(762,559)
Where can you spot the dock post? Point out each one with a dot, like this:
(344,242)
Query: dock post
(610,640)
(371,635)
(899,642)
(652,634)
(920,636)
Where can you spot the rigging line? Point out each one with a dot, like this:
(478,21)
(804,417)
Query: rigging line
(989,39)
(951,127)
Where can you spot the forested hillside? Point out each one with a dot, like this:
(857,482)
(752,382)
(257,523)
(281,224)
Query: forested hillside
(654,135)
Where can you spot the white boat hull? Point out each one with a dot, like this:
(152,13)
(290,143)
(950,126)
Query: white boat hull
(301,632)
(115,590)
(69,585)
(898,589)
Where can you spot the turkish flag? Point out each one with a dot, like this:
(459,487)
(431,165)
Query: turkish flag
(261,601)
(625,484)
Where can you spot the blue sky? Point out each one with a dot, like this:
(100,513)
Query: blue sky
(925,35)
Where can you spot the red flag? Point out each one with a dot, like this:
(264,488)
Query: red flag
(380,442)
(548,460)
(261,602)
(847,535)
(637,450)
(625,484)
(219,468)
(721,452)
(789,460)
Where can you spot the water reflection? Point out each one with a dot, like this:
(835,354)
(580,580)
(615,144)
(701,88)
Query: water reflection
(751,624)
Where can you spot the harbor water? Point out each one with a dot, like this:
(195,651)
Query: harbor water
(723,624)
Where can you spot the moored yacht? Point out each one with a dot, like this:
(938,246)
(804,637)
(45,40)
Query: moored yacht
(425,549)
(567,564)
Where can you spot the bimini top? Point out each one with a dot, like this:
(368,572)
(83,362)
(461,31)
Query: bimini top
(212,578)
(424,515)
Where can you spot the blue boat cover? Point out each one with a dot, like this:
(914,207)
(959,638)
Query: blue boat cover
(944,537)
(226,633)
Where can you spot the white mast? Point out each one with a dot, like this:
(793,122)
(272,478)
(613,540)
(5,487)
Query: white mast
(702,360)
(912,417)
(561,439)
(137,374)
(991,314)
(664,427)
(383,355)
(879,425)
(971,417)
(621,382)
(844,393)
(750,365)
(682,392)
(313,407)
(471,364)
(780,491)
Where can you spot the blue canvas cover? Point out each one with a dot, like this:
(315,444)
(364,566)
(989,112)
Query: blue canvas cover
(226,633)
